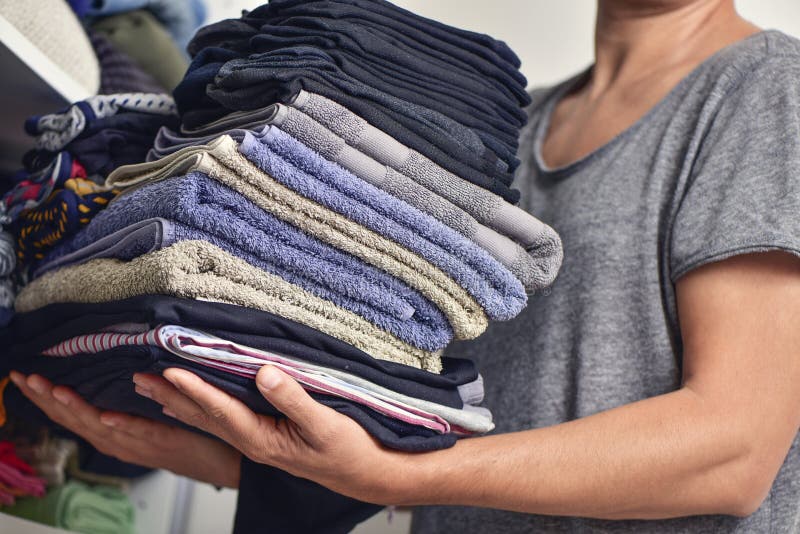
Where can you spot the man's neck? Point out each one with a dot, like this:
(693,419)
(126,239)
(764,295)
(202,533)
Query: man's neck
(635,39)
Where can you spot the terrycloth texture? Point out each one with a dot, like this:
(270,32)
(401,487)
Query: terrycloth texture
(364,40)
(195,269)
(368,44)
(278,76)
(118,72)
(8,259)
(35,187)
(142,37)
(535,268)
(79,508)
(200,208)
(540,240)
(125,244)
(55,130)
(180,17)
(466,166)
(499,293)
(324,142)
(222,161)
(482,50)
(476,121)
(64,212)
(51,27)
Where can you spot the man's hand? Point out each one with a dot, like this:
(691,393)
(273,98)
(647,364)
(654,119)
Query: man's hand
(313,442)
(134,439)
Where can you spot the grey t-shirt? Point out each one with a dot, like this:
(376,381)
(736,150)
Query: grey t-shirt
(712,171)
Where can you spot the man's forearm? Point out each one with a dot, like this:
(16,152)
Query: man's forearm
(663,457)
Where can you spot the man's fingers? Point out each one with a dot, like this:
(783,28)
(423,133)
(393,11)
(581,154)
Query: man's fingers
(216,403)
(175,403)
(135,428)
(289,397)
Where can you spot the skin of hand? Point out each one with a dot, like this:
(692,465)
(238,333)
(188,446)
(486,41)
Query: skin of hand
(135,439)
(713,446)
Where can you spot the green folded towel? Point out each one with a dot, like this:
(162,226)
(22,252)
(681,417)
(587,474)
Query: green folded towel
(79,508)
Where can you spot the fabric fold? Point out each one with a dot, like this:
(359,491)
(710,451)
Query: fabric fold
(196,269)
(195,207)
(222,161)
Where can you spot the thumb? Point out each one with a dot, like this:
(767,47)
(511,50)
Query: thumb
(289,398)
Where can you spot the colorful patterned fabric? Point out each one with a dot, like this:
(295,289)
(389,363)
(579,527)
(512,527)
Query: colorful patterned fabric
(60,216)
(54,131)
(30,192)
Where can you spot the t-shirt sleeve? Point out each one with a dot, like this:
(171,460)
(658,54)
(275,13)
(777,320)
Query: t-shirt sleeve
(743,192)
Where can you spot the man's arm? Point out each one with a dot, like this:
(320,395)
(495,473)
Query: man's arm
(714,446)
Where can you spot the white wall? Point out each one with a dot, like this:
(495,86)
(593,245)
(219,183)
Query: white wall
(553,38)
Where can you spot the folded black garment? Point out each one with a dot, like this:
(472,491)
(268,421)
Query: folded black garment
(271,500)
(31,333)
(121,139)
(105,380)
(452,79)
(283,71)
(198,109)
(278,76)
(484,115)
(494,56)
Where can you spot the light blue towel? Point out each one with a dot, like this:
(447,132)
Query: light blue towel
(296,166)
(201,208)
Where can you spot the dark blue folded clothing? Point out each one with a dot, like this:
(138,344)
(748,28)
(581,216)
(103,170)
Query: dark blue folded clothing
(279,74)
(481,115)
(124,138)
(263,79)
(33,332)
(488,53)
(390,66)
(105,380)
(266,492)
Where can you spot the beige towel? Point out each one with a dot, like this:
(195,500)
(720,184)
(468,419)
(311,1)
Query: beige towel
(222,161)
(200,270)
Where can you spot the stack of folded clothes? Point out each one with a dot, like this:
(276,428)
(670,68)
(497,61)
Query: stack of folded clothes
(335,201)
(62,185)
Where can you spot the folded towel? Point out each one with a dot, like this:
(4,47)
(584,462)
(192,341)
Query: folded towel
(415,179)
(200,208)
(222,161)
(333,148)
(541,241)
(295,165)
(196,269)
